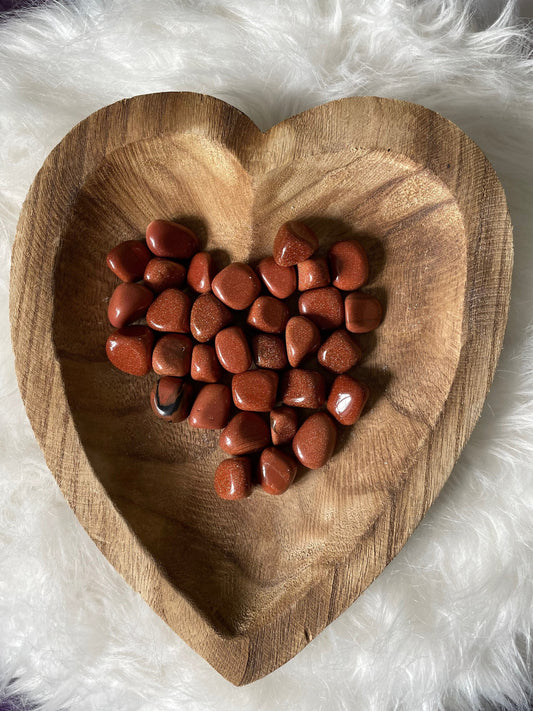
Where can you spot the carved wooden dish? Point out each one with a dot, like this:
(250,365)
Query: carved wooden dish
(248,584)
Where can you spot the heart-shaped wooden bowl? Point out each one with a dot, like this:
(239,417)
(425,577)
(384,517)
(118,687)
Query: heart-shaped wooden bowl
(248,584)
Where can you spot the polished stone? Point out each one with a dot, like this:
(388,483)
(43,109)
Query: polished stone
(276,470)
(283,425)
(246,432)
(211,408)
(201,272)
(171,399)
(170,239)
(208,317)
(172,355)
(255,390)
(363,312)
(128,303)
(232,349)
(204,364)
(128,260)
(268,314)
(130,349)
(339,352)
(269,351)
(237,285)
(348,265)
(347,399)
(313,274)
(303,388)
(314,443)
(323,306)
(294,242)
(280,281)
(161,274)
(233,478)
(170,312)
(302,338)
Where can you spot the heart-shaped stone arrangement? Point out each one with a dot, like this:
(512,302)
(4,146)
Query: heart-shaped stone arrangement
(248,365)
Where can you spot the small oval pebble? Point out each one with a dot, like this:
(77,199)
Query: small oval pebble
(170,239)
(303,388)
(233,478)
(269,351)
(210,410)
(268,314)
(208,316)
(347,399)
(283,425)
(302,338)
(255,390)
(294,242)
(201,272)
(130,349)
(323,306)
(312,274)
(171,399)
(172,355)
(276,470)
(363,312)
(128,259)
(128,303)
(315,441)
(170,312)
(232,350)
(246,432)
(161,274)
(204,364)
(237,285)
(339,352)
(280,281)
(348,264)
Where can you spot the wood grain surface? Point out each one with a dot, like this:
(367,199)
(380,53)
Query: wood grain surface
(248,584)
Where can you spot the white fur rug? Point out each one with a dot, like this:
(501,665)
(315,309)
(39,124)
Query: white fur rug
(448,625)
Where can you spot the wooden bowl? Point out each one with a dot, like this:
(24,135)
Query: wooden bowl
(248,584)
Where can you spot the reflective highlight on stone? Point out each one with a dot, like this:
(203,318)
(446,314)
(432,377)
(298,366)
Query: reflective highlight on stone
(323,306)
(237,285)
(302,338)
(128,260)
(130,349)
(171,399)
(233,478)
(339,352)
(268,314)
(347,399)
(246,432)
(294,242)
(208,317)
(348,264)
(312,274)
(303,388)
(161,274)
(315,441)
(172,355)
(269,351)
(255,390)
(364,312)
(128,303)
(280,281)
(170,239)
(283,425)
(204,364)
(232,350)
(211,407)
(170,312)
(276,470)
(201,272)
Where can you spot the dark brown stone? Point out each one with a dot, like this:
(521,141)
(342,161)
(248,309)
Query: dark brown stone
(161,274)
(171,399)
(128,260)
(246,432)
(303,388)
(128,303)
(283,425)
(172,355)
(269,351)
(323,306)
(364,312)
(294,242)
(348,264)
(170,239)
(268,314)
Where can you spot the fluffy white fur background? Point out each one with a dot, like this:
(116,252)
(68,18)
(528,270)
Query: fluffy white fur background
(448,625)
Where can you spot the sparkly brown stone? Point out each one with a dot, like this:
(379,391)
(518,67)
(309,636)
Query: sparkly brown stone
(347,399)
(208,316)
(204,364)
(232,350)
(128,303)
(269,351)
(302,338)
(169,239)
(170,312)
(161,274)
(128,259)
(246,432)
(130,349)
(303,388)
(283,425)
(233,478)
(171,399)
(339,352)
(237,285)
(323,306)
(280,281)
(255,390)
(172,355)
(276,470)
(364,312)
(294,243)
(201,272)
(315,441)
(211,407)
(312,274)
(268,314)
(348,264)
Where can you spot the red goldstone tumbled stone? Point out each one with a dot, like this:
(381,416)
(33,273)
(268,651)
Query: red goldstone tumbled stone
(268,314)
(161,274)
(276,470)
(210,410)
(128,303)
(232,350)
(294,242)
(233,478)
(269,351)
(315,441)
(208,317)
(348,264)
(280,281)
(170,239)
(303,388)
(172,355)
(130,349)
(255,390)
(323,306)
(312,274)
(171,399)
(128,259)
(170,312)
(201,272)
(302,338)
(283,425)
(363,312)
(237,285)
(246,432)
(339,352)
(204,364)
(347,399)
